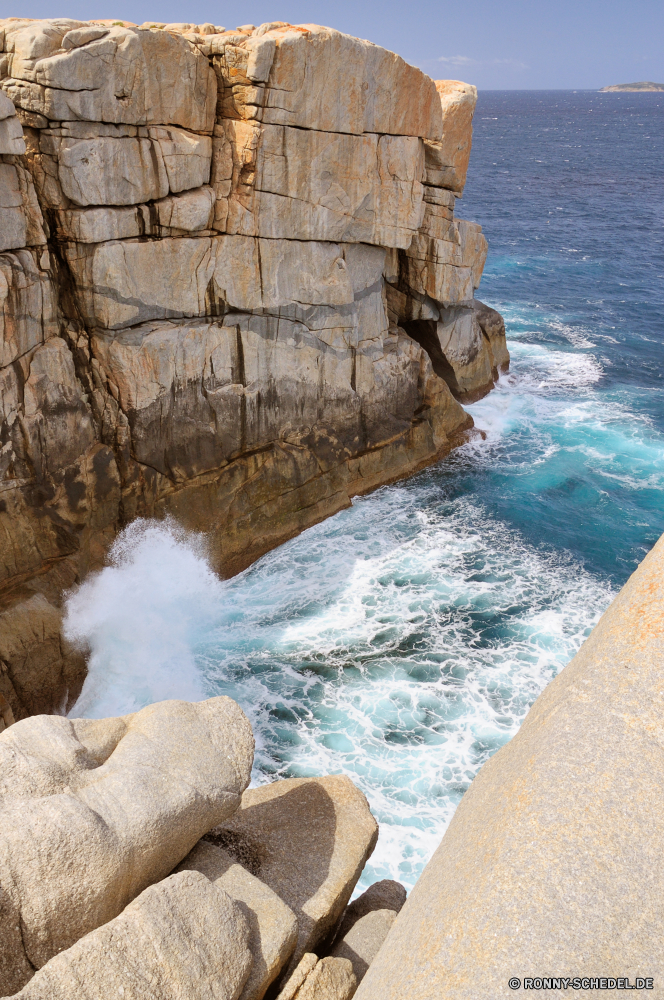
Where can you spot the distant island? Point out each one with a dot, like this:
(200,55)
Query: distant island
(644,85)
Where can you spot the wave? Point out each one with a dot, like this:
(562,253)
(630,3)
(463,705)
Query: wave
(403,640)
(399,643)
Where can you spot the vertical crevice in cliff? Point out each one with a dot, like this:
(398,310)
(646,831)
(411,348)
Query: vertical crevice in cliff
(241,379)
(423,332)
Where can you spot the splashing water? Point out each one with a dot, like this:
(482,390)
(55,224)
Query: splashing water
(139,618)
(403,641)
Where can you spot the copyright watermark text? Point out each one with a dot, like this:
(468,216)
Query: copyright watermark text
(581,983)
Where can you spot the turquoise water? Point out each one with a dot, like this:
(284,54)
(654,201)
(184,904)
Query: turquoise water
(404,640)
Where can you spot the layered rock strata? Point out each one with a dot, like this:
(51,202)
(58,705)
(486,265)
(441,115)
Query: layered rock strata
(551,864)
(113,880)
(232,287)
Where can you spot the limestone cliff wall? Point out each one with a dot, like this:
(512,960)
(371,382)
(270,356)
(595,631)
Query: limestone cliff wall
(232,288)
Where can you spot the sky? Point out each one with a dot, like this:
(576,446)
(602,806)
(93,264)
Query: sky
(495,44)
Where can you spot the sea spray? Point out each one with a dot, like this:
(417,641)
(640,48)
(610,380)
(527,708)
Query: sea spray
(138,618)
(400,642)
(403,640)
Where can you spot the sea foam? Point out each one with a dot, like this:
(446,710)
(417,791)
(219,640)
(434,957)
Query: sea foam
(401,642)
(137,619)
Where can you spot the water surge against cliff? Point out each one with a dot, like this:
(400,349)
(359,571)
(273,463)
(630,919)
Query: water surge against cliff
(403,640)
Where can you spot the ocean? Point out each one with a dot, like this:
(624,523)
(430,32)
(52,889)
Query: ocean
(403,641)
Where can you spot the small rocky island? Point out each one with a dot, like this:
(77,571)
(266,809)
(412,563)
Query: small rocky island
(628,88)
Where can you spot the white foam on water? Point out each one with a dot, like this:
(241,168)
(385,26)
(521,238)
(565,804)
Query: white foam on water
(394,643)
(401,641)
(544,369)
(578,336)
(408,656)
(135,619)
(560,414)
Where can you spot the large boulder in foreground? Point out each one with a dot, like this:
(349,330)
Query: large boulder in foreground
(272,924)
(320,979)
(330,979)
(308,839)
(363,941)
(552,865)
(384,895)
(183,939)
(365,924)
(94,811)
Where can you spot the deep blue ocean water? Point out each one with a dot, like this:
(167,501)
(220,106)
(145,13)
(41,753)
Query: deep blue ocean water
(403,641)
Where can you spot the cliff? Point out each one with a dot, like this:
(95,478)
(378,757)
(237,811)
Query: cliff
(233,289)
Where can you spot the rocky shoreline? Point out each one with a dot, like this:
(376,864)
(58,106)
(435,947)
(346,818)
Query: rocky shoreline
(233,290)
(136,863)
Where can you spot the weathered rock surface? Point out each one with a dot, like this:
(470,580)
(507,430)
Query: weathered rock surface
(182,939)
(117,165)
(302,184)
(552,859)
(306,964)
(384,895)
(232,289)
(21,222)
(492,326)
(93,812)
(363,941)
(300,75)
(272,924)
(56,69)
(447,161)
(37,669)
(11,134)
(131,863)
(308,839)
(320,979)
(330,979)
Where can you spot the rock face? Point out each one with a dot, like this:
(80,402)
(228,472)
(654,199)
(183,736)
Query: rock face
(93,812)
(113,883)
(365,924)
(272,924)
(363,941)
(551,864)
(384,895)
(320,979)
(330,979)
(182,939)
(232,289)
(308,839)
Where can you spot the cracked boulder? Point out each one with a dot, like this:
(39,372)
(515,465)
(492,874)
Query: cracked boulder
(308,839)
(182,939)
